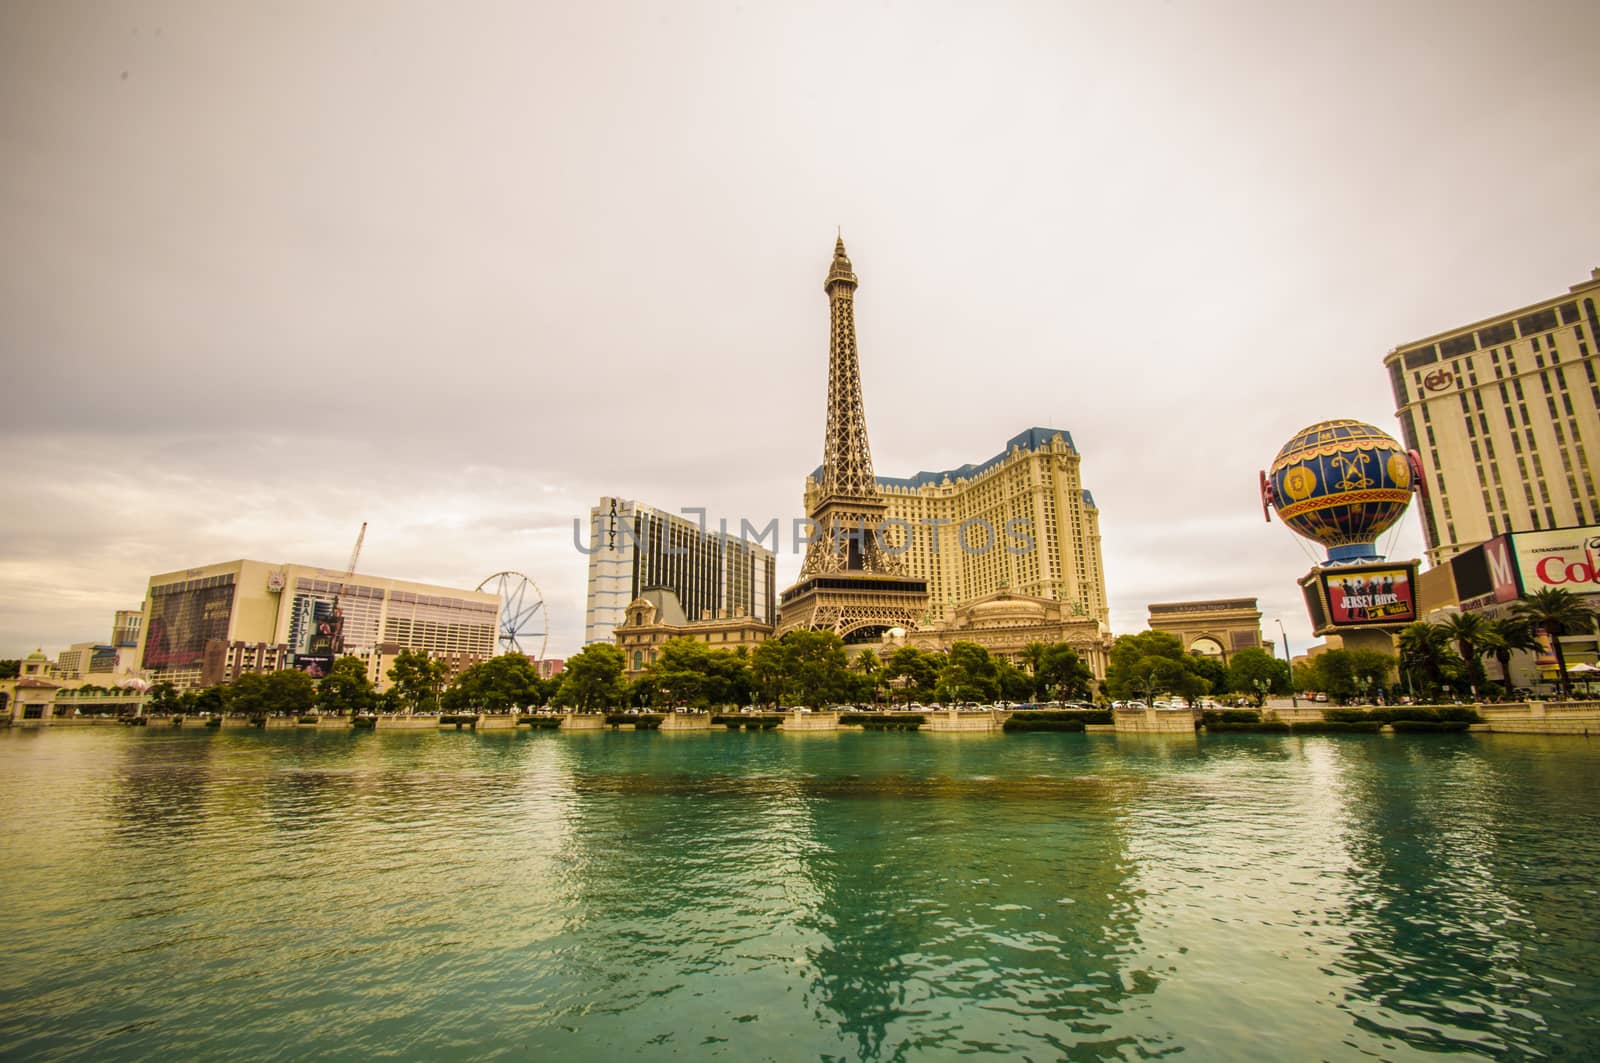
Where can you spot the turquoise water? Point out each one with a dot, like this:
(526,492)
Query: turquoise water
(767,896)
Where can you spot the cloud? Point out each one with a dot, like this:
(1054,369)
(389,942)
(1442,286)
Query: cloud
(459,277)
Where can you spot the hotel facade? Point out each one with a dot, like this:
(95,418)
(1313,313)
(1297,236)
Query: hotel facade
(210,624)
(1505,414)
(1020,522)
(712,574)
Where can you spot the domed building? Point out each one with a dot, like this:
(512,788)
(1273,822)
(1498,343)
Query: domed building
(1005,622)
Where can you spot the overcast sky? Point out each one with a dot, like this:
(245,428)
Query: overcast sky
(271,270)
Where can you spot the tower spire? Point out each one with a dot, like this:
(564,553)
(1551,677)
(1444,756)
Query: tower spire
(850,582)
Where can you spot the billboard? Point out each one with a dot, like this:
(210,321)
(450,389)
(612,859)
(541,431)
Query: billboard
(1315,609)
(317,634)
(183,618)
(1568,558)
(1370,594)
(1485,576)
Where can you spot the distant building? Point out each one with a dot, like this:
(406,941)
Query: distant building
(550,667)
(1218,628)
(634,547)
(125,627)
(83,659)
(656,616)
(961,522)
(303,617)
(40,694)
(1505,413)
(1005,623)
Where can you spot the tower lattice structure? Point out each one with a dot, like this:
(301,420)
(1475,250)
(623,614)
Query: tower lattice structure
(849,583)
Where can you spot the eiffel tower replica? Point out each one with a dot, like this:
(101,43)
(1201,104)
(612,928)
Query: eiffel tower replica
(849,584)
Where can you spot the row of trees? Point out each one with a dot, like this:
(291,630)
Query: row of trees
(815,668)
(1152,664)
(1448,658)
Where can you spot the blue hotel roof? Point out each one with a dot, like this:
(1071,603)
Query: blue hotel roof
(1032,439)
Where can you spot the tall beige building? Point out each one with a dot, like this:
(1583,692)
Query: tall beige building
(1020,522)
(1505,413)
(209,623)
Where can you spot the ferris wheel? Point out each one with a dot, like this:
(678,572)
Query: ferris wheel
(524,627)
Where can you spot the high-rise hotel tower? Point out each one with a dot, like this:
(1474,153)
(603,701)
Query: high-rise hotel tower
(1505,413)
(1020,522)
(634,548)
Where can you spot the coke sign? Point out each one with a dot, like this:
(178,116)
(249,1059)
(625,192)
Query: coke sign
(1567,558)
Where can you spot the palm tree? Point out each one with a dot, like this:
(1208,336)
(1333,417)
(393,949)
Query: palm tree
(1467,631)
(1504,636)
(1032,656)
(1425,648)
(1556,612)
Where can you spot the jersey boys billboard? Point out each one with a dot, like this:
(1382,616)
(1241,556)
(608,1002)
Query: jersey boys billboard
(1370,594)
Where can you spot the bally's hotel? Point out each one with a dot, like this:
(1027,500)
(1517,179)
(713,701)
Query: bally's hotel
(633,548)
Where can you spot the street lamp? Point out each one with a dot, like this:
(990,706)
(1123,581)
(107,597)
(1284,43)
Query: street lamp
(1294,698)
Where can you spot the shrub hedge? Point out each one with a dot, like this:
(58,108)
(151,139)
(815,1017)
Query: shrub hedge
(1081,715)
(1215,716)
(644,721)
(1430,726)
(1248,727)
(1034,723)
(1393,713)
(1364,727)
(883,721)
(748,723)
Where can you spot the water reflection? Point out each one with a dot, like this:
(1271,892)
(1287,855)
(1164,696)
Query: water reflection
(758,895)
(1447,917)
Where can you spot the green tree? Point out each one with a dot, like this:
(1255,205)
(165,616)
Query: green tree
(1152,663)
(819,664)
(417,679)
(1014,683)
(1032,658)
(915,673)
(1467,631)
(769,671)
(1062,675)
(212,699)
(10,668)
(1427,657)
(592,678)
(346,690)
(290,692)
(1211,669)
(1256,672)
(164,698)
(498,684)
(874,671)
(969,675)
(1504,636)
(1369,670)
(1556,612)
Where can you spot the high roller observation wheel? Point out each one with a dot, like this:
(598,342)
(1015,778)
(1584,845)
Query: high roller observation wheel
(524,624)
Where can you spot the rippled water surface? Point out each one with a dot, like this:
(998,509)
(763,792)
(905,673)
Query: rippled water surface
(749,896)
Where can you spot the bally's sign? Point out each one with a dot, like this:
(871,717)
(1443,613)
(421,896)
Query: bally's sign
(1567,558)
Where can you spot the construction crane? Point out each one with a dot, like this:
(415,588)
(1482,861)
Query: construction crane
(338,598)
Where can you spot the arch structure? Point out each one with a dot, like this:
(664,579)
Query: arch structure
(1216,628)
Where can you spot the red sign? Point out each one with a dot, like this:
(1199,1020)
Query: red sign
(1497,552)
(1568,558)
(1371,594)
(1438,380)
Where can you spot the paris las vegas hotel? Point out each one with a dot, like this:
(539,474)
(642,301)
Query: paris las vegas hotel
(983,582)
